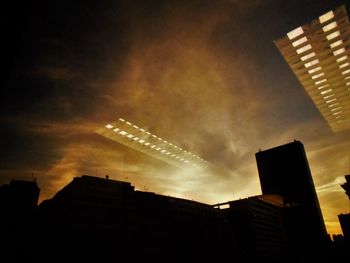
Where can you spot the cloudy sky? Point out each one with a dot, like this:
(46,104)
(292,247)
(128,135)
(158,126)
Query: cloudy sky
(204,75)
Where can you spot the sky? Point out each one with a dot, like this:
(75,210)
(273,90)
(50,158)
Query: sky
(204,75)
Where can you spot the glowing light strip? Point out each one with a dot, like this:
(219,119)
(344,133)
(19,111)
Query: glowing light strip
(139,139)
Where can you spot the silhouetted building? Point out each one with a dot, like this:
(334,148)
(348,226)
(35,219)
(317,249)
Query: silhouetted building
(20,194)
(257,225)
(97,219)
(18,203)
(346,185)
(344,220)
(284,170)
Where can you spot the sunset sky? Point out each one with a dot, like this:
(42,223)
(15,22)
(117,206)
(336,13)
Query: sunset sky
(202,74)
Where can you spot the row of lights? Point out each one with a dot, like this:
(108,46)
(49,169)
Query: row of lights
(316,73)
(334,106)
(151,145)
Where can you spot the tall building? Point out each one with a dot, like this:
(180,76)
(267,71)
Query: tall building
(18,204)
(318,54)
(344,219)
(346,185)
(284,170)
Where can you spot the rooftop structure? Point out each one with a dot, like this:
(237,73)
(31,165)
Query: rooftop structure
(139,139)
(318,54)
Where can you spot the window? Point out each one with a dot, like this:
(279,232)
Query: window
(311,63)
(325,17)
(329,26)
(333,35)
(299,41)
(338,51)
(336,43)
(294,33)
(303,49)
(308,56)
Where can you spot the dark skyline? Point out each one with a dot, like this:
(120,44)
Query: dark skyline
(202,74)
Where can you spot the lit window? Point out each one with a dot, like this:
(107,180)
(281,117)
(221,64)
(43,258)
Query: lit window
(336,113)
(116,129)
(299,41)
(338,108)
(163,151)
(329,101)
(136,127)
(130,136)
(320,81)
(324,86)
(109,126)
(325,17)
(168,153)
(311,63)
(333,35)
(158,148)
(303,49)
(153,146)
(344,65)
(336,43)
(348,77)
(314,70)
(339,121)
(148,133)
(345,71)
(347,83)
(294,33)
(154,136)
(136,138)
(147,143)
(328,96)
(141,141)
(128,123)
(334,104)
(338,51)
(186,161)
(123,133)
(317,76)
(326,91)
(342,58)
(122,120)
(329,26)
(142,130)
(308,56)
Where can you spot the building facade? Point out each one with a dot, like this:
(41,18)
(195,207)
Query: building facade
(257,225)
(319,55)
